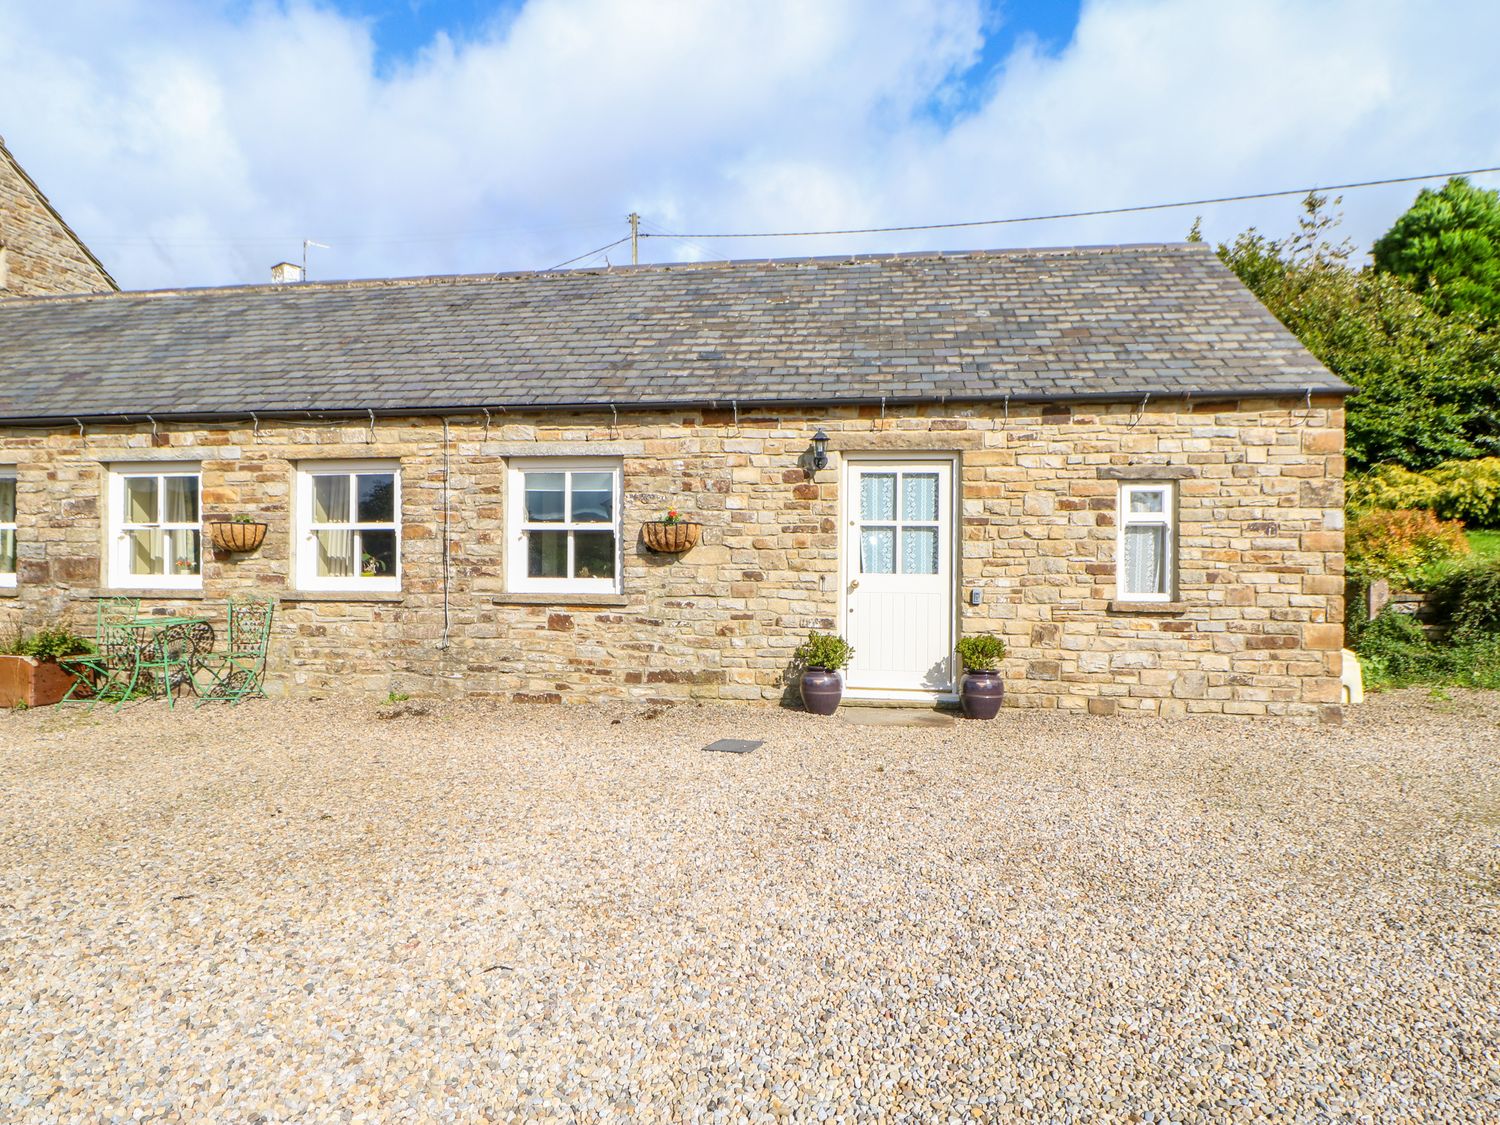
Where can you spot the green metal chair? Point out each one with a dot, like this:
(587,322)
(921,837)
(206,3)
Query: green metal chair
(112,671)
(238,672)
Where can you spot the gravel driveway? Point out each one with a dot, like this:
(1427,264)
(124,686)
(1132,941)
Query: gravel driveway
(330,912)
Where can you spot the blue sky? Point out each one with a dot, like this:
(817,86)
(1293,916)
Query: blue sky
(402,28)
(199,141)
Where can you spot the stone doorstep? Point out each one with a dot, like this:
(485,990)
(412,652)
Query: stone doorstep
(880,713)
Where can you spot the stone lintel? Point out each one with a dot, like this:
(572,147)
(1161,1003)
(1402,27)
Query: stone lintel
(1147,472)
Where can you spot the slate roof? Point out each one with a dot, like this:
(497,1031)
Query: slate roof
(1109,323)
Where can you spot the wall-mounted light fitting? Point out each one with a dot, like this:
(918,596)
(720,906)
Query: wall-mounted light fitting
(820,450)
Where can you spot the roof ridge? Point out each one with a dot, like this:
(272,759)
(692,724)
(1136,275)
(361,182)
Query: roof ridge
(415,281)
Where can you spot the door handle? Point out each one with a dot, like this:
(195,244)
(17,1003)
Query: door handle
(853,585)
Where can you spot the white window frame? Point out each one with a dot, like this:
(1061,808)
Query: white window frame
(517,527)
(306,561)
(1167,518)
(120,576)
(7,472)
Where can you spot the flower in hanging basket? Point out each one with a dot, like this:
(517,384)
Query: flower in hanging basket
(672,516)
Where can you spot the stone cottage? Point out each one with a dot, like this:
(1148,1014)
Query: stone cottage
(39,253)
(1114,458)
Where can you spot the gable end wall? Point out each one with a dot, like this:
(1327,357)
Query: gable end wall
(41,256)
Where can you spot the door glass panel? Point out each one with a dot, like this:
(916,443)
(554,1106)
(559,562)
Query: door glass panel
(377,558)
(919,496)
(593,554)
(547,553)
(919,547)
(140,503)
(1147,501)
(544,498)
(877,496)
(877,550)
(377,497)
(182,500)
(1145,560)
(7,500)
(335,553)
(331,500)
(593,497)
(7,551)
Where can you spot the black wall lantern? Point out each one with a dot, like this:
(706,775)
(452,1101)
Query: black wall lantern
(820,450)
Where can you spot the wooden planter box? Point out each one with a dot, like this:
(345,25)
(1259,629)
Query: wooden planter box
(671,538)
(36,683)
(237,538)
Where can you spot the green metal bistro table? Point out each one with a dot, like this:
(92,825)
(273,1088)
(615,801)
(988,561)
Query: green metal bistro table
(168,649)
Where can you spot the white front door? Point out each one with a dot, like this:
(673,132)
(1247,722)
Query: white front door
(898,567)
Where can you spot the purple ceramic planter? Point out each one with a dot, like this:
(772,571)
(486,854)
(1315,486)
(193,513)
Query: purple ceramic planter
(981,695)
(821,691)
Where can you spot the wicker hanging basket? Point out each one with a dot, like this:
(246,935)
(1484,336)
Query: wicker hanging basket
(671,538)
(237,538)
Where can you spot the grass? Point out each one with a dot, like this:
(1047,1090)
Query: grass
(1484,545)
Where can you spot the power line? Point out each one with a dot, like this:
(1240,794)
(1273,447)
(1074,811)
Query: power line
(1078,214)
(591,253)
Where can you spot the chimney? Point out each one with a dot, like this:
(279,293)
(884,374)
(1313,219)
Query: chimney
(285,273)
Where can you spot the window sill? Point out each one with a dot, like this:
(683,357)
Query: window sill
(1148,607)
(562,597)
(166,593)
(388,597)
(10,591)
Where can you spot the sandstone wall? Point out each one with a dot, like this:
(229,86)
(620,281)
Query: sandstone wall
(1256,630)
(39,256)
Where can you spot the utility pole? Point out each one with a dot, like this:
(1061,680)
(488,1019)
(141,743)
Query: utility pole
(635,238)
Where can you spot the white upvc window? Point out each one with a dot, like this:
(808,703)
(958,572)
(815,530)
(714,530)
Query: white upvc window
(7,527)
(563,522)
(155,527)
(1146,552)
(349,526)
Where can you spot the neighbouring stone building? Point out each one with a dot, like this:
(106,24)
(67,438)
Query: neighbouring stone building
(1114,458)
(39,253)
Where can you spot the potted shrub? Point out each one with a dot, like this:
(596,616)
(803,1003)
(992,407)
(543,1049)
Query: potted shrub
(822,656)
(981,692)
(370,566)
(239,535)
(30,674)
(671,535)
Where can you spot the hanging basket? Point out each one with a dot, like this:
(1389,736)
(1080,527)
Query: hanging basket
(237,538)
(671,538)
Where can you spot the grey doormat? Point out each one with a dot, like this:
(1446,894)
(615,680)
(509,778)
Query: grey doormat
(734,745)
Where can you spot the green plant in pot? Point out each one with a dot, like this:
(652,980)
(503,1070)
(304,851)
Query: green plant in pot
(822,656)
(35,671)
(982,691)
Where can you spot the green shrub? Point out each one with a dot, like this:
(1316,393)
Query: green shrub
(49,644)
(981,652)
(1394,652)
(1409,548)
(1468,491)
(1455,490)
(824,650)
(1389,487)
(1470,598)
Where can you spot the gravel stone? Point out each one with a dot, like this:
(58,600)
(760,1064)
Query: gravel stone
(337,912)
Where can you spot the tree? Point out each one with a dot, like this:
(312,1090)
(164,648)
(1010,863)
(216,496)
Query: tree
(1428,381)
(1447,246)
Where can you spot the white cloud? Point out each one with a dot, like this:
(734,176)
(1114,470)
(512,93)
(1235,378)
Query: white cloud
(193,143)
